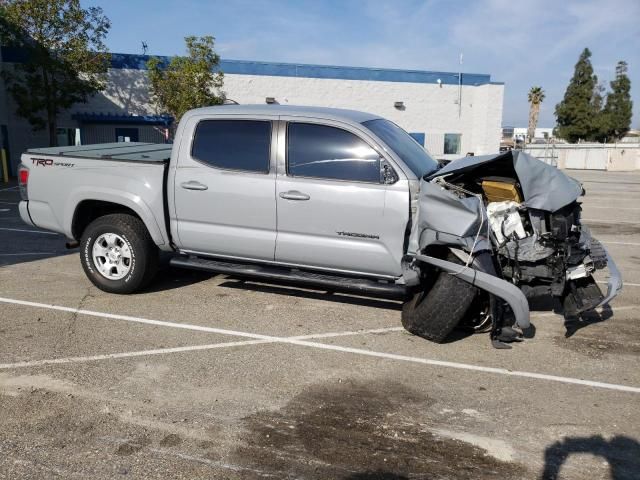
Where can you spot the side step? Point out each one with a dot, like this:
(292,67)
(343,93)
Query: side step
(293,277)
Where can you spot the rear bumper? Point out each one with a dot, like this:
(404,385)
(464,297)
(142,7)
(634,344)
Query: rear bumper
(23,208)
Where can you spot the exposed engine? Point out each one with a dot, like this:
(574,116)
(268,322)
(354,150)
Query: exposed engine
(512,221)
(544,253)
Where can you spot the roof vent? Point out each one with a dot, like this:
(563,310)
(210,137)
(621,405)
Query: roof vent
(270,100)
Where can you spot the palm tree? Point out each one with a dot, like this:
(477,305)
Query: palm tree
(536,96)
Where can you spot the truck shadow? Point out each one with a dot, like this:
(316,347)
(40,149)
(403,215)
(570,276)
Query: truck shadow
(622,453)
(329,296)
(170,278)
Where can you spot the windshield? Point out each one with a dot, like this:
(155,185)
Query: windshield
(409,151)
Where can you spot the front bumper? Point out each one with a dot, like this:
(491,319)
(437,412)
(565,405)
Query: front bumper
(614,284)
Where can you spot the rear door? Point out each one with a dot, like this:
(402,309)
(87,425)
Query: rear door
(335,210)
(224,187)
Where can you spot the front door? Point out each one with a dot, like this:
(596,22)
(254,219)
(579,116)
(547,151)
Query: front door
(332,203)
(224,189)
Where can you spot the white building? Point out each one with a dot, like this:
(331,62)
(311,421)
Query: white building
(451,114)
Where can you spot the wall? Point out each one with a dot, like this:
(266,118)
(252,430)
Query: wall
(430,100)
(610,157)
(429,108)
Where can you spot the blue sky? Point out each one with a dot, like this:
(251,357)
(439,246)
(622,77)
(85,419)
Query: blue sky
(519,42)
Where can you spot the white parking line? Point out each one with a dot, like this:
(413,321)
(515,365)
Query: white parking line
(609,222)
(26,253)
(625,284)
(324,346)
(162,351)
(28,231)
(621,243)
(587,207)
(9,203)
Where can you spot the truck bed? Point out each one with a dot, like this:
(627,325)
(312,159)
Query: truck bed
(120,151)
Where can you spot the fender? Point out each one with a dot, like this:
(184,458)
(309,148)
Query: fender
(126,199)
(501,288)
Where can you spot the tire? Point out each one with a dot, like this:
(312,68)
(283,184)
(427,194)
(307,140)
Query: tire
(125,258)
(434,311)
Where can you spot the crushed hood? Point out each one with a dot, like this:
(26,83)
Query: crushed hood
(544,186)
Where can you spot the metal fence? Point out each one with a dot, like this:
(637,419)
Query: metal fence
(588,156)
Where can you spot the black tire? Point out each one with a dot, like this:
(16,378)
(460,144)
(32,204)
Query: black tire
(436,309)
(143,263)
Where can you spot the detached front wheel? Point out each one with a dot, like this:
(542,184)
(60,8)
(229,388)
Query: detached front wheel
(438,307)
(118,254)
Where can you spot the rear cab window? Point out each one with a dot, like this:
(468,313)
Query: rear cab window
(242,145)
(326,152)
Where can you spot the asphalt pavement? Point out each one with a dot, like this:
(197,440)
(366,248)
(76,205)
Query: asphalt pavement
(204,376)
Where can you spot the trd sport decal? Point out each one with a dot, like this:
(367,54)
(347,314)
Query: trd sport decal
(48,162)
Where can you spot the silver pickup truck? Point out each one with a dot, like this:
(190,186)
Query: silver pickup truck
(330,199)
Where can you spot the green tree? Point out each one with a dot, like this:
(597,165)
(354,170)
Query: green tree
(617,111)
(536,97)
(187,82)
(65,59)
(577,114)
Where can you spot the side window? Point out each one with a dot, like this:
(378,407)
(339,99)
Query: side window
(320,151)
(233,144)
(452,143)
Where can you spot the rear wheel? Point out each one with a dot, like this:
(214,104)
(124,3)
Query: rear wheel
(118,254)
(437,308)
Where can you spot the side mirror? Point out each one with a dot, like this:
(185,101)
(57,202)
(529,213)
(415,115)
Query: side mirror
(388,176)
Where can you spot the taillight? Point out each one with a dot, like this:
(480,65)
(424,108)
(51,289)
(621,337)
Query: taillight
(23,180)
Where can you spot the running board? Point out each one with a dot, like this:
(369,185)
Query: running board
(293,276)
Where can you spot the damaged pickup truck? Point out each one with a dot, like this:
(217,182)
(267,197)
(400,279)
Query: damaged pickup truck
(329,199)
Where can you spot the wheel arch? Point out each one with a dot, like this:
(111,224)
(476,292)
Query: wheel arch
(86,209)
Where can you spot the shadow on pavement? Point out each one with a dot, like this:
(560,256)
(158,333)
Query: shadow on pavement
(621,453)
(312,294)
(19,242)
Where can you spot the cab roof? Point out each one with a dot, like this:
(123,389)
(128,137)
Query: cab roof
(338,114)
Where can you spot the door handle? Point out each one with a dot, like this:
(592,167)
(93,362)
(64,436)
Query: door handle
(193,185)
(294,195)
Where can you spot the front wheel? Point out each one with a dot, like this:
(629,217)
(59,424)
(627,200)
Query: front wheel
(435,310)
(118,254)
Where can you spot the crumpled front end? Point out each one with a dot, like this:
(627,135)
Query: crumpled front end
(526,214)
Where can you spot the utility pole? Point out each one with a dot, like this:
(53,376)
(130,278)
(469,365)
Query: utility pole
(460,88)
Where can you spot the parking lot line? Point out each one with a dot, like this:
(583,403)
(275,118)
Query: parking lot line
(28,231)
(337,348)
(193,348)
(26,253)
(625,284)
(609,222)
(6,189)
(108,356)
(612,208)
(620,243)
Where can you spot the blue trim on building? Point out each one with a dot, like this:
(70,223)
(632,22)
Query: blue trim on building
(165,120)
(301,70)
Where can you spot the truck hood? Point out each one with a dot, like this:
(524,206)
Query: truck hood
(544,186)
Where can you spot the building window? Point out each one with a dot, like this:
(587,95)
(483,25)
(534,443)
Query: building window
(68,136)
(418,137)
(452,143)
(320,151)
(233,144)
(126,134)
